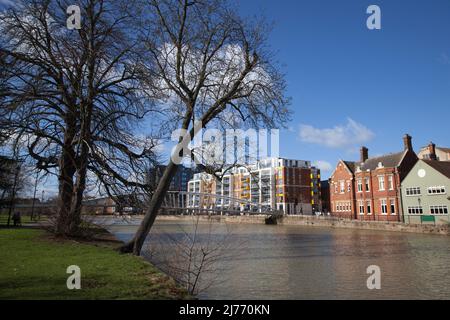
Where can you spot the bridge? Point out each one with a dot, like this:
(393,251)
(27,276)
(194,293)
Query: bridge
(196,203)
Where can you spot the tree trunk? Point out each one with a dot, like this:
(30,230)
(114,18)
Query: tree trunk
(135,245)
(66,175)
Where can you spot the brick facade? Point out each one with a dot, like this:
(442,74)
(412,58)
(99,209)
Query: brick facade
(369,189)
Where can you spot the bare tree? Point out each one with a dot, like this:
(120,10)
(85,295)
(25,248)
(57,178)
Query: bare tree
(208,61)
(195,255)
(74,98)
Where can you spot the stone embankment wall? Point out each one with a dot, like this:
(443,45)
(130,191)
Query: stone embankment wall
(324,222)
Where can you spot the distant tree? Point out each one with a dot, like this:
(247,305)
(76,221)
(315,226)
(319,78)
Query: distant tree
(207,62)
(73,98)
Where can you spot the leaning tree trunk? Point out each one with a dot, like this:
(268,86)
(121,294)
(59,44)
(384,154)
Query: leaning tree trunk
(67,170)
(135,245)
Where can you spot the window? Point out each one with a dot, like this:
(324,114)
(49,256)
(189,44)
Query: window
(381,183)
(360,185)
(391,182)
(415,210)
(342,189)
(361,207)
(438,209)
(414,191)
(393,211)
(367,180)
(335,188)
(349,187)
(384,207)
(369,208)
(436,190)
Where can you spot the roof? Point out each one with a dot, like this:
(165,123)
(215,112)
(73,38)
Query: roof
(444,149)
(440,166)
(389,161)
(351,165)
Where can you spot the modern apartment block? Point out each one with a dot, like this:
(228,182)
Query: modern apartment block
(179,181)
(432,152)
(369,189)
(425,192)
(292,186)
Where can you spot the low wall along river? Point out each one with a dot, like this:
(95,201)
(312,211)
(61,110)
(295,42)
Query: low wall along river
(425,228)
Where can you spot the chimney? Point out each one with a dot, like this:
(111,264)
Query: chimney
(364,154)
(432,151)
(407,141)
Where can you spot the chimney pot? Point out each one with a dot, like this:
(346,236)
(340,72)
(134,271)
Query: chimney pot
(407,141)
(364,154)
(432,151)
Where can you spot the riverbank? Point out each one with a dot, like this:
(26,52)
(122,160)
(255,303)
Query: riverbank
(34,263)
(325,222)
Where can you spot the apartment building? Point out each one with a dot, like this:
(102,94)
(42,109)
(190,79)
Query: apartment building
(292,186)
(179,181)
(369,189)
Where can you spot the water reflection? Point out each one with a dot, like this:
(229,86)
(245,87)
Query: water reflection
(293,262)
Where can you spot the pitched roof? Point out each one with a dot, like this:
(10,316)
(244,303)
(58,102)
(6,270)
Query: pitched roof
(444,149)
(389,161)
(441,166)
(351,165)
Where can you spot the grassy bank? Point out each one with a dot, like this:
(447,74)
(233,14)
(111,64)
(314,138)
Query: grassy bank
(33,266)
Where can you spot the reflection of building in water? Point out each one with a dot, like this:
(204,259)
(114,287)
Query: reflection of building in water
(292,186)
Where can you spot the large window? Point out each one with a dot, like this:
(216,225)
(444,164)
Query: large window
(392,203)
(436,190)
(415,210)
(360,185)
(367,181)
(391,182)
(438,209)
(414,191)
(369,208)
(342,185)
(381,183)
(384,207)
(361,207)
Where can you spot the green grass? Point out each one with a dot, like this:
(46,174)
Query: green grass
(25,219)
(33,266)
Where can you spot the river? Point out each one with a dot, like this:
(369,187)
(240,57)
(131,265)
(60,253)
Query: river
(295,262)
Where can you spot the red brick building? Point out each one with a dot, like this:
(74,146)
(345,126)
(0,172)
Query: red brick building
(369,189)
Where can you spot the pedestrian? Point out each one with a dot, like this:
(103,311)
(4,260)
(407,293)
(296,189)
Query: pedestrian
(17,219)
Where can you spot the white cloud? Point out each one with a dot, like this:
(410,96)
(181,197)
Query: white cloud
(324,166)
(345,136)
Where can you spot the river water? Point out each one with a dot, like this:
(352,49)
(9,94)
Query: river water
(295,262)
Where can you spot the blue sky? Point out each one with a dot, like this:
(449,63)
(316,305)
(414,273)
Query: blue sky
(352,86)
